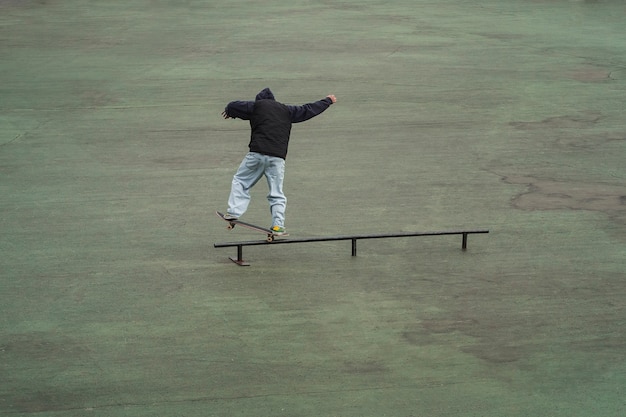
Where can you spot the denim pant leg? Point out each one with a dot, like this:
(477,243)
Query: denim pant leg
(249,173)
(275,174)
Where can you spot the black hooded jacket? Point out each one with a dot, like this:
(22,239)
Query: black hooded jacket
(270,120)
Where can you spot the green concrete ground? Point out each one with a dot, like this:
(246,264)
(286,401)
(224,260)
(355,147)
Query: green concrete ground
(498,114)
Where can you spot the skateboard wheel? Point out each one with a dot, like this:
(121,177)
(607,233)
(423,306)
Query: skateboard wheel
(270,238)
(230,226)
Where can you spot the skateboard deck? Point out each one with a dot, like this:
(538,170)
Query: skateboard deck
(232,223)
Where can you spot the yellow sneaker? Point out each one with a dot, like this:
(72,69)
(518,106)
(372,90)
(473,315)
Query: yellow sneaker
(279,231)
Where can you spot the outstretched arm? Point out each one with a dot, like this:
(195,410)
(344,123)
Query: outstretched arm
(310,110)
(238,110)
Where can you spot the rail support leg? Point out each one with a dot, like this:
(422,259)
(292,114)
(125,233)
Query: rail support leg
(464,244)
(239,259)
(353,247)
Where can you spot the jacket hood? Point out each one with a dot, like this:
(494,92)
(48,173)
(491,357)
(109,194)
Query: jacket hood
(265,94)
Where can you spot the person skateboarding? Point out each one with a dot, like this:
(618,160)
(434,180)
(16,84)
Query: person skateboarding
(270,124)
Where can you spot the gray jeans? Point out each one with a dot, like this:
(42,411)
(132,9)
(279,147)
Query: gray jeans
(252,168)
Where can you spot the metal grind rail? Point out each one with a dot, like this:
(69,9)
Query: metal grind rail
(239,259)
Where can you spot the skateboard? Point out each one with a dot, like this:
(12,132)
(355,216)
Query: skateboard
(232,223)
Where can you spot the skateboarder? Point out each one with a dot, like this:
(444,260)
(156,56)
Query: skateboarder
(270,123)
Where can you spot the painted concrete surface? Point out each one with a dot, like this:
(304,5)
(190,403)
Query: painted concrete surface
(506,115)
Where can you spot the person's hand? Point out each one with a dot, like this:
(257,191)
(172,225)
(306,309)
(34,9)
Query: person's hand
(225,115)
(332,97)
